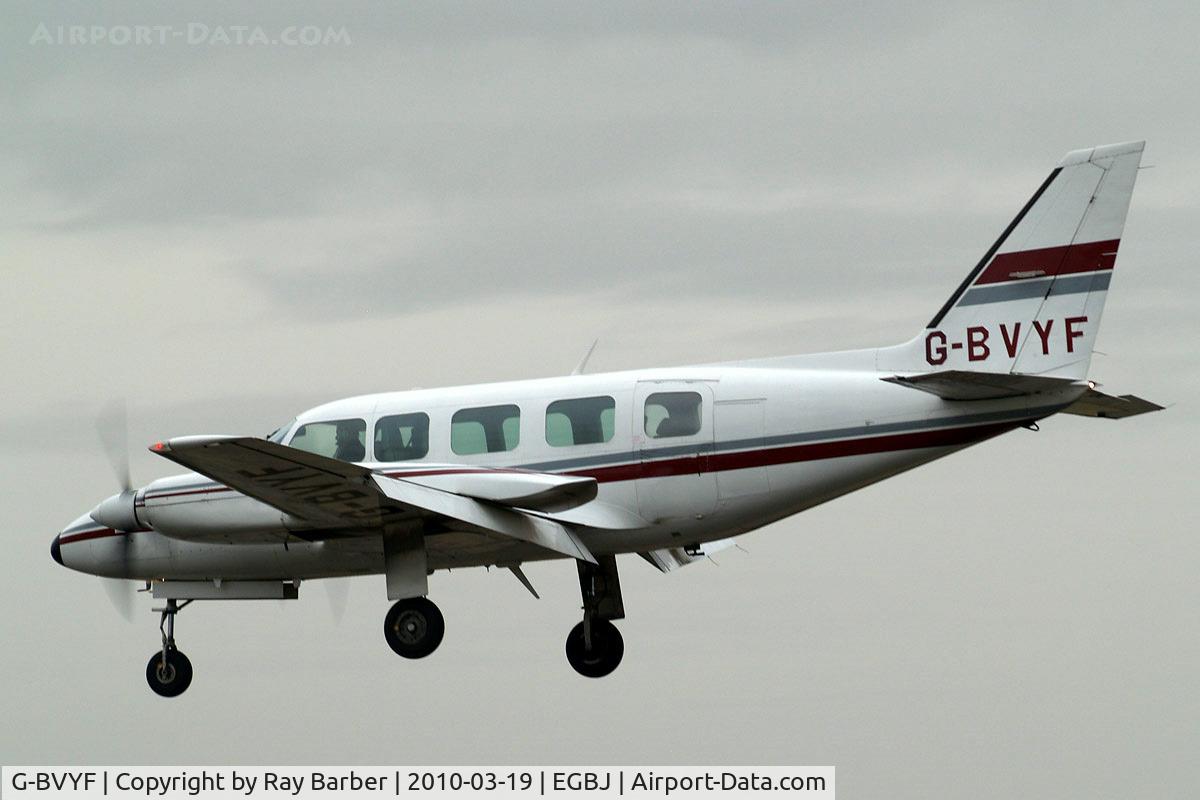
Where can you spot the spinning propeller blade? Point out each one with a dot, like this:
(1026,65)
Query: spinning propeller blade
(112,423)
(120,594)
(337,591)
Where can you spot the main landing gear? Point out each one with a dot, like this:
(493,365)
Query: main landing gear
(169,672)
(414,627)
(594,646)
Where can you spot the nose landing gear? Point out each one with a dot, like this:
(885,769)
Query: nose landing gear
(169,672)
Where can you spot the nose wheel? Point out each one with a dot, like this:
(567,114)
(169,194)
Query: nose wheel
(414,627)
(169,672)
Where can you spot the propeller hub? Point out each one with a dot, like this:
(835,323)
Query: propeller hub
(118,512)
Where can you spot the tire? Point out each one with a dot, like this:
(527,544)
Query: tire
(174,679)
(414,628)
(607,649)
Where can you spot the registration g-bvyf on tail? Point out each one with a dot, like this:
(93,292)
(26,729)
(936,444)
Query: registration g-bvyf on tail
(669,464)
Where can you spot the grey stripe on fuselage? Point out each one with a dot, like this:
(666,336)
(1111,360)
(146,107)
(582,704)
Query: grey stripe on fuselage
(762,442)
(1001,292)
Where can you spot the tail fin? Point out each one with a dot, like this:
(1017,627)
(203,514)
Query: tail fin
(1032,304)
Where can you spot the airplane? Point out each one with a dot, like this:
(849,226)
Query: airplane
(670,464)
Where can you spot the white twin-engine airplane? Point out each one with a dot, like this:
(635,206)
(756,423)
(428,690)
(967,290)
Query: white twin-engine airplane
(666,463)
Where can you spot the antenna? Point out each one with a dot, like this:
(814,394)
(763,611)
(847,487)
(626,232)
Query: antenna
(583,362)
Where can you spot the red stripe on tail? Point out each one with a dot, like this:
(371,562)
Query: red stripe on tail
(1051,261)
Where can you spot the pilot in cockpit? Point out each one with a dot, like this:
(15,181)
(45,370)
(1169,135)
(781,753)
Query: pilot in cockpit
(349,448)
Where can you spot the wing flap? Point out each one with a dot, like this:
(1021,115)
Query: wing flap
(538,491)
(545,533)
(600,515)
(672,558)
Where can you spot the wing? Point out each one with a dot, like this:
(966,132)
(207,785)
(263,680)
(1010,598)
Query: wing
(312,489)
(324,493)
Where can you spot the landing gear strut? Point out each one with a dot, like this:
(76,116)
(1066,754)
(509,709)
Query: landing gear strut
(414,627)
(169,671)
(594,646)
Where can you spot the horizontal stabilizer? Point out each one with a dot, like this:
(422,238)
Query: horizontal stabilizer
(1098,404)
(962,385)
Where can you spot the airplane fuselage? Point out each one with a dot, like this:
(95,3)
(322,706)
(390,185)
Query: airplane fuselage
(770,441)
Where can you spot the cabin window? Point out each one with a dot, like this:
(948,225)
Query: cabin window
(491,429)
(343,439)
(584,420)
(672,414)
(402,437)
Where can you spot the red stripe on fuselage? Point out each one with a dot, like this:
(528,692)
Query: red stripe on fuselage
(719,462)
(83,537)
(1049,262)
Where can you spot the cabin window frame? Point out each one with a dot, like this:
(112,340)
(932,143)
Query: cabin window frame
(381,421)
(491,433)
(607,402)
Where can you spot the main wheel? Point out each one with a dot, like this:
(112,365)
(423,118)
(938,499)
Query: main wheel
(171,679)
(605,654)
(414,627)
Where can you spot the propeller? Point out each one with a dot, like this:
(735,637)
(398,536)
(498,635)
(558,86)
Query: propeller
(112,424)
(120,594)
(337,592)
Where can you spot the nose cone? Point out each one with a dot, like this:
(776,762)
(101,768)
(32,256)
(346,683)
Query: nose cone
(56,551)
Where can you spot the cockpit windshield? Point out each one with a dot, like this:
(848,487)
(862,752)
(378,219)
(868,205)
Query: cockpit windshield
(279,433)
(343,439)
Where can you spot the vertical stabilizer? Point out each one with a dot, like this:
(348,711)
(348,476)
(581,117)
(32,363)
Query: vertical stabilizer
(1032,304)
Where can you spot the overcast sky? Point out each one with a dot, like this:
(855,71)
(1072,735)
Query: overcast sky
(226,235)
